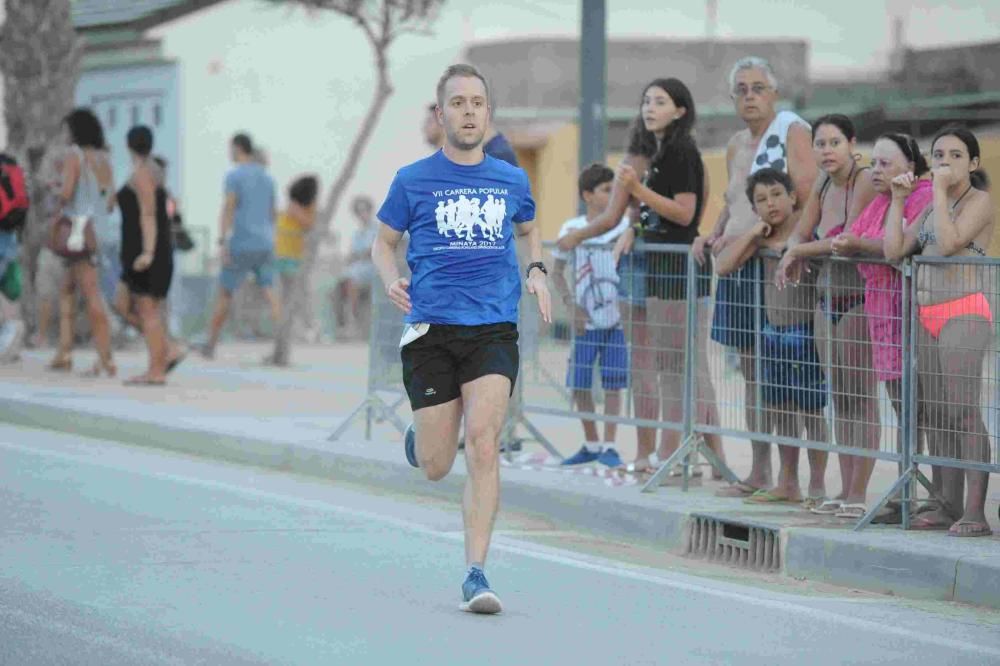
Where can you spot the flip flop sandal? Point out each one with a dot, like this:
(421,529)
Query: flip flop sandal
(737,490)
(925,525)
(888,515)
(767,497)
(177,361)
(811,503)
(852,511)
(981,529)
(828,508)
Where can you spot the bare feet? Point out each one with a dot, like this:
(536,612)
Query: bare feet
(932,520)
(176,357)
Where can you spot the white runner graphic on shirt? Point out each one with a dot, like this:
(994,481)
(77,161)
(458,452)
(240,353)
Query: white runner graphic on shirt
(470,217)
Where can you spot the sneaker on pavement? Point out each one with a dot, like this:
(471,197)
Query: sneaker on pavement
(581,457)
(477,595)
(410,445)
(610,457)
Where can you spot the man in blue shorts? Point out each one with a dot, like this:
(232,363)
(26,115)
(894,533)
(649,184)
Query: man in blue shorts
(461,208)
(771,139)
(593,302)
(246,235)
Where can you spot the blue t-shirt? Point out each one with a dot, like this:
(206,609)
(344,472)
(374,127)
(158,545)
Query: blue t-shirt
(461,251)
(253,221)
(501,149)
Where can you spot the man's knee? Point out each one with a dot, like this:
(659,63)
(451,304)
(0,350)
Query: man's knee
(435,468)
(482,446)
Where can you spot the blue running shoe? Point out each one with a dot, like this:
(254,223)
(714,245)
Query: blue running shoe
(477,595)
(610,457)
(581,457)
(410,445)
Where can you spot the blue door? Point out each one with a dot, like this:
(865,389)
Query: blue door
(123,97)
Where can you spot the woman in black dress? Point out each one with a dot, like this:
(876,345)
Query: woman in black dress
(147,257)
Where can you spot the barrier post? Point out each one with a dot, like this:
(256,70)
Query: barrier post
(691,444)
(384,369)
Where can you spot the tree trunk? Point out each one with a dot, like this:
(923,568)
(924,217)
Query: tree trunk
(324,218)
(39,64)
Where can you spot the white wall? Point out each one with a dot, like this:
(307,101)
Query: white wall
(299,84)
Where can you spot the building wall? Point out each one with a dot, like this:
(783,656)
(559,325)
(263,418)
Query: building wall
(544,73)
(300,85)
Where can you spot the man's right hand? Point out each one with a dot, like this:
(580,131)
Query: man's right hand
(398,292)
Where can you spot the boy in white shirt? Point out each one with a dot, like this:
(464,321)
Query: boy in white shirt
(597,318)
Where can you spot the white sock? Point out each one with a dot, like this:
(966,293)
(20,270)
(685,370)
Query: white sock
(593,447)
(608,445)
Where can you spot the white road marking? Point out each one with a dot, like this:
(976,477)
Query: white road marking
(551,555)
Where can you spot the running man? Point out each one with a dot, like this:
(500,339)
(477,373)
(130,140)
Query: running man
(459,349)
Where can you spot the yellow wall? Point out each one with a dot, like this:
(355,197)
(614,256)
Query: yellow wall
(989,147)
(553,171)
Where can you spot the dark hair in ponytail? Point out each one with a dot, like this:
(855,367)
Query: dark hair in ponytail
(978,178)
(908,145)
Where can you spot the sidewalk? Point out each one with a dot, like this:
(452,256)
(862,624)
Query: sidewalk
(232,408)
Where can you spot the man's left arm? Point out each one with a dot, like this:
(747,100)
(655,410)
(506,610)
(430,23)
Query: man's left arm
(801,163)
(536,280)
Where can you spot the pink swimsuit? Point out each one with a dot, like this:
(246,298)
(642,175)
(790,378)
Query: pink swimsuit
(883,284)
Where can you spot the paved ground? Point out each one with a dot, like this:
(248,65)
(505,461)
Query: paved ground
(323,386)
(120,555)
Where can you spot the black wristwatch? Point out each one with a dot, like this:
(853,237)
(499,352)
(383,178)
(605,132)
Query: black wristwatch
(535,264)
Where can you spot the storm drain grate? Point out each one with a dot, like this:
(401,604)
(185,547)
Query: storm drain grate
(741,545)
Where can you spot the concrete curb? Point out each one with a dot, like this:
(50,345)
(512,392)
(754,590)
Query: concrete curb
(884,561)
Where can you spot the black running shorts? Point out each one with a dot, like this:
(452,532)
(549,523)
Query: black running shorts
(436,364)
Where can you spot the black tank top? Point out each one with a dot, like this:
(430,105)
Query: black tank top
(128,202)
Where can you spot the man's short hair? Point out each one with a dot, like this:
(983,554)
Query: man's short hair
(593,176)
(140,140)
(461,70)
(768,176)
(753,62)
(243,142)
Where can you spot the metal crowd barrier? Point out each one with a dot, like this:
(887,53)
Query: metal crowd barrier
(954,369)
(886,401)
(385,391)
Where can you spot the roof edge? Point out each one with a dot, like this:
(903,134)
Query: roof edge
(154,18)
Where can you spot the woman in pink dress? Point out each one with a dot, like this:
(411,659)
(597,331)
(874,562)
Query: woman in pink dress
(893,155)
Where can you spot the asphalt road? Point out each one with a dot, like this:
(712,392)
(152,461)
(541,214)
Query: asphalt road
(117,555)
